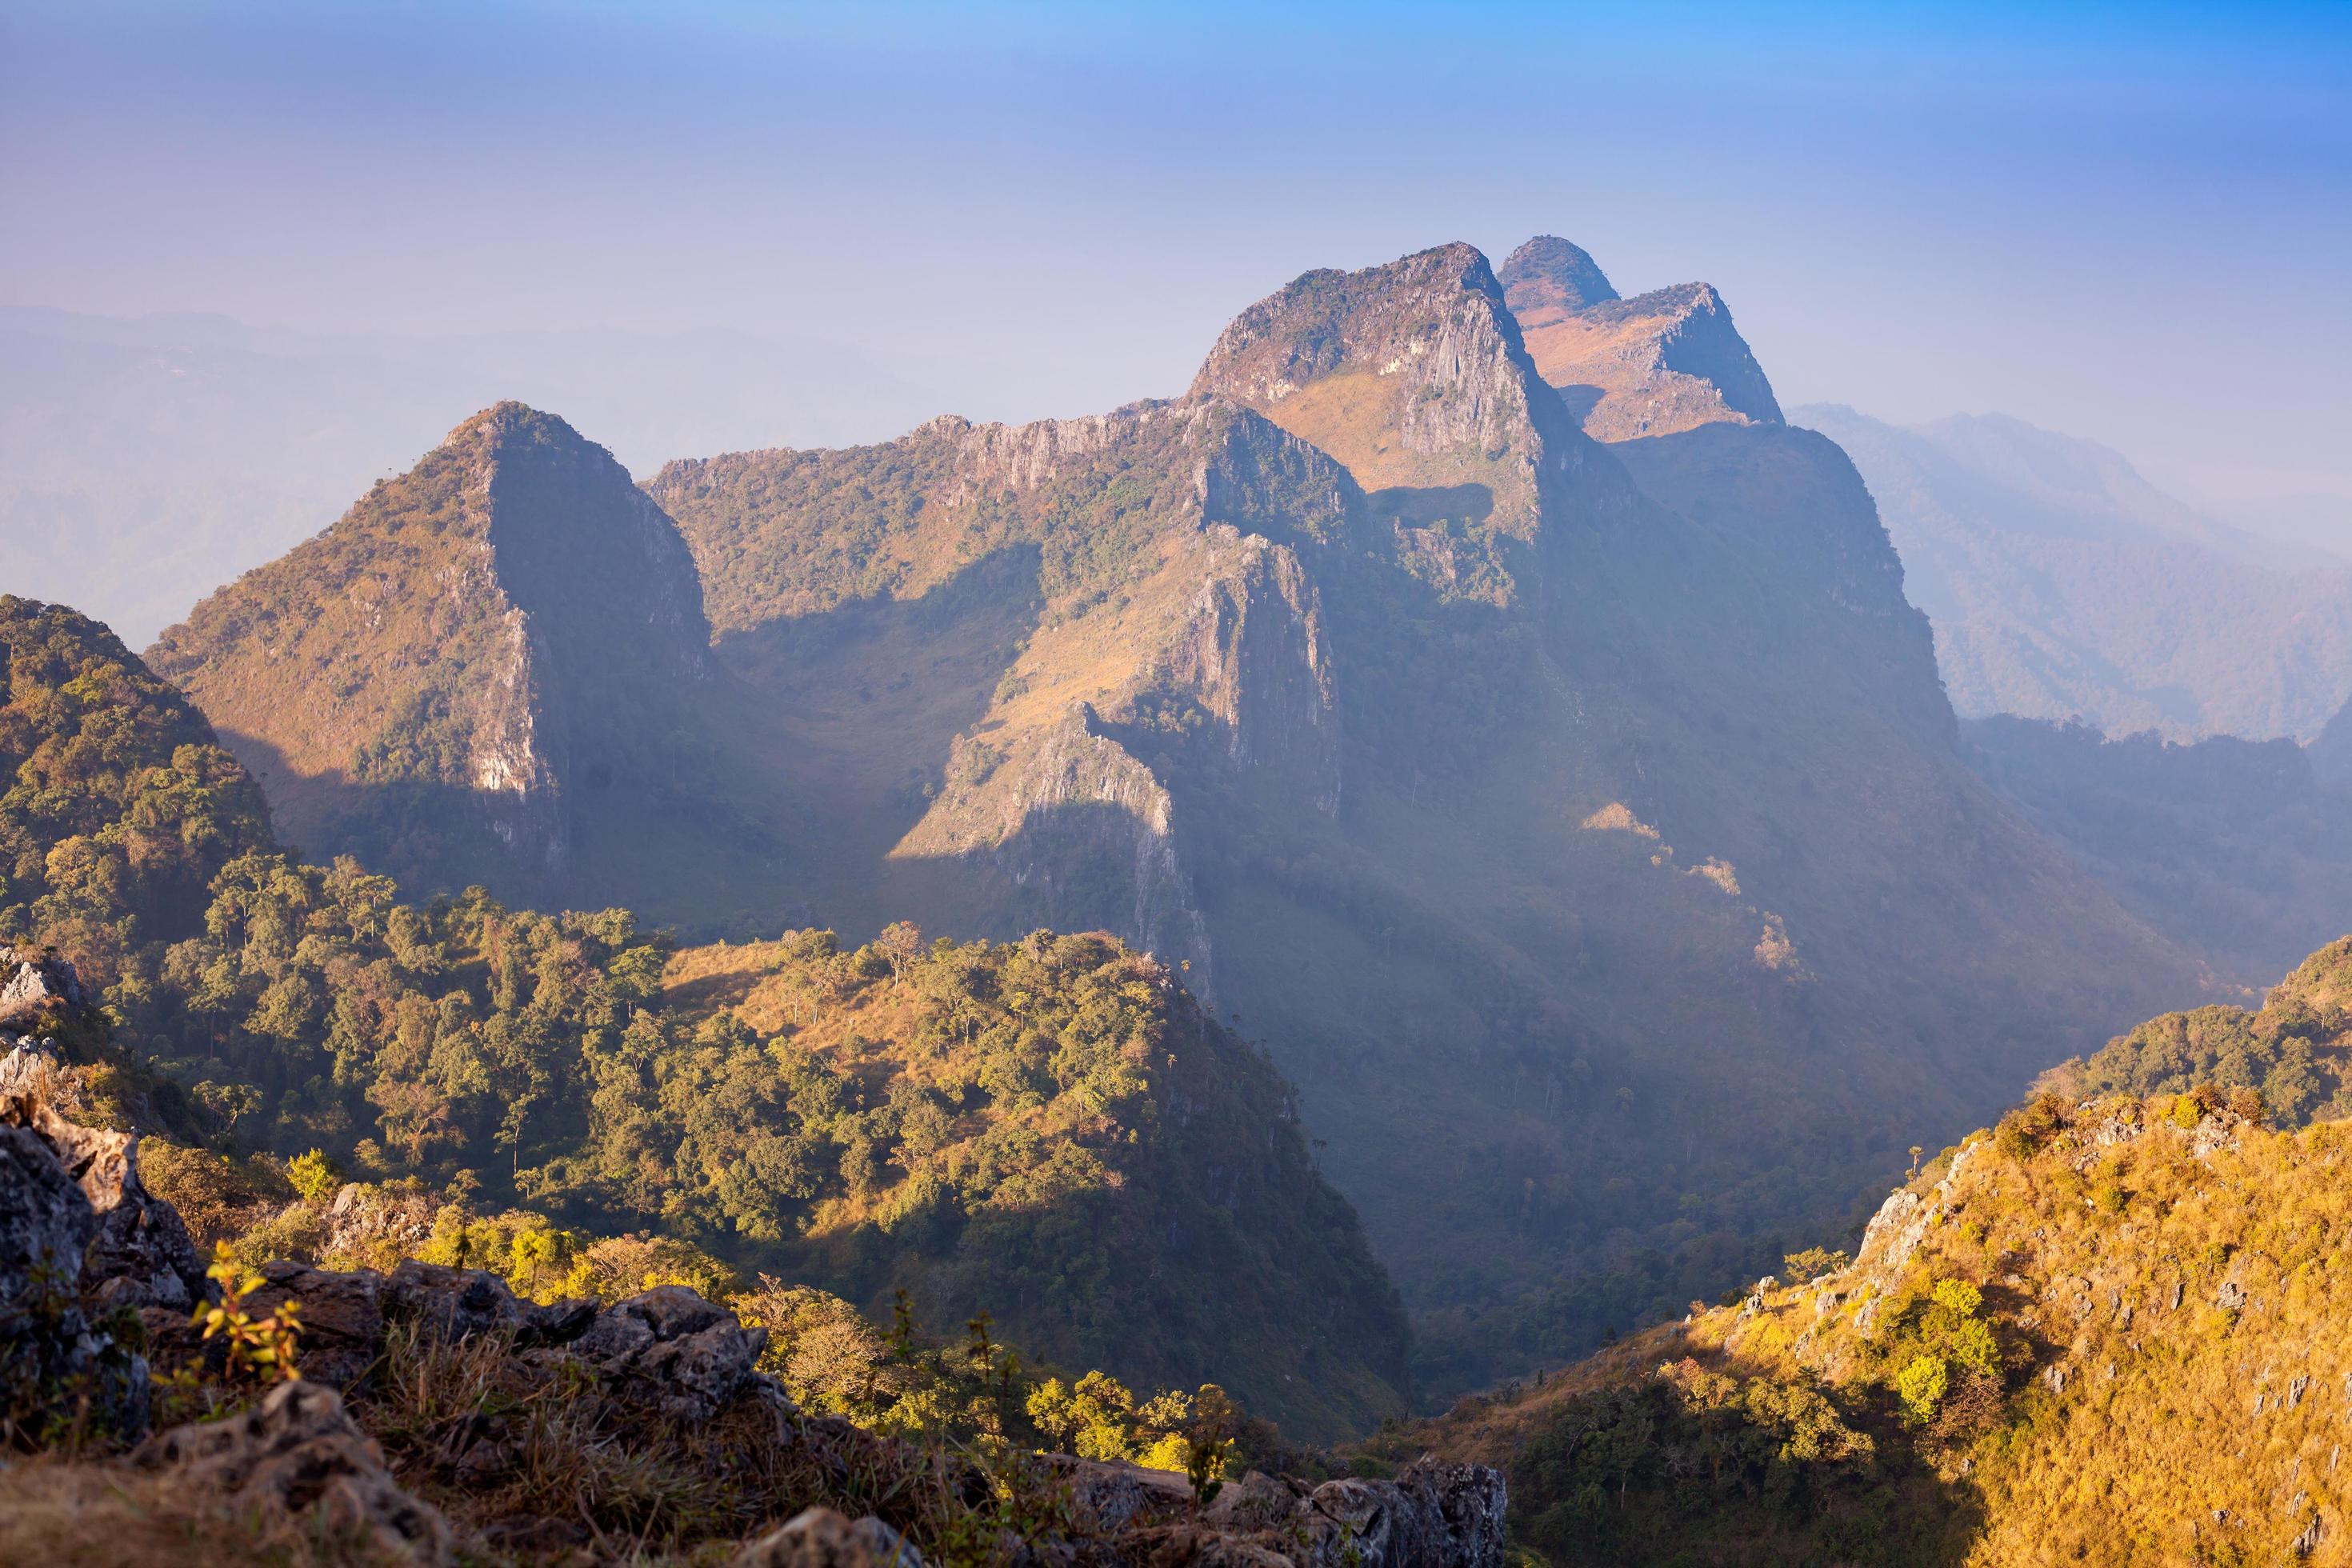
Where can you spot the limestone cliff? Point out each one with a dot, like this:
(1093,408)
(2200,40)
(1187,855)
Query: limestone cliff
(1556,810)
(449,678)
(1658,364)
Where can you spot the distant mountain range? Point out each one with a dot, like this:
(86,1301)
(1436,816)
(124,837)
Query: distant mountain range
(144,461)
(2062,584)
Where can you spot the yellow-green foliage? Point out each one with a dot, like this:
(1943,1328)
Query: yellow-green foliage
(313,1174)
(2294,1052)
(2118,1338)
(1097,1418)
(262,1348)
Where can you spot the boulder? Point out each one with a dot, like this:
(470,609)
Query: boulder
(821,1538)
(1432,1516)
(138,1254)
(342,1317)
(56,1366)
(668,1345)
(299,1450)
(456,1304)
(1257,1502)
(1118,1496)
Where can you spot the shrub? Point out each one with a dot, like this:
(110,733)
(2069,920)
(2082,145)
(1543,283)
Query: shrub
(2026,1131)
(1920,1386)
(1803,1267)
(314,1175)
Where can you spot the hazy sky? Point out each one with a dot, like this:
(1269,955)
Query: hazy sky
(2130,222)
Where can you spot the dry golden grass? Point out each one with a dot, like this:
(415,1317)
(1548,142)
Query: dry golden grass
(2172,1304)
(103,1516)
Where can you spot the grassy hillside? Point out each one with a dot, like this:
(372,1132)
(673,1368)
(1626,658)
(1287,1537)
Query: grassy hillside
(1052,1131)
(2106,1330)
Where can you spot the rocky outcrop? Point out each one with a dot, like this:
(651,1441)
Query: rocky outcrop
(299,1452)
(822,1538)
(1656,364)
(1432,1516)
(1413,374)
(472,671)
(671,1349)
(67,1353)
(35,990)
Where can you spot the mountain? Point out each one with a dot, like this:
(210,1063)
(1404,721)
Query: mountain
(118,800)
(143,460)
(2237,849)
(2062,584)
(2331,752)
(1581,826)
(1050,1131)
(1656,364)
(492,670)
(2039,1348)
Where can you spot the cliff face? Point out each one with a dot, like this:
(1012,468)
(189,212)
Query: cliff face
(1658,364)
(1583,826)
(1413,376)
(2331,752)
(459,678)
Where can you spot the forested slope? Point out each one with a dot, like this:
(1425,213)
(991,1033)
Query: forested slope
(1050,1131)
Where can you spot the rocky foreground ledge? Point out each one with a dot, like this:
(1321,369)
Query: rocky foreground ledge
(487,1398)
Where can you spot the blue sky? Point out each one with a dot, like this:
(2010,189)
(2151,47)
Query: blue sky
(2127,222)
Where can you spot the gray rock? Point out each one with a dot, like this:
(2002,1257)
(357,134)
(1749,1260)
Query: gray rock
(456,1304)
(342,1316)
(46,1221)
(1118,1496)
(299,1450)
(821,1538)
(56,1363)
(668,1344)
(1255,1502)
(36,988)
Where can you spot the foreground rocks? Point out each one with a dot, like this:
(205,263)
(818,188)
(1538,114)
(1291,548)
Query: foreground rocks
(300,1452)
(1432,1516)
(93,1268)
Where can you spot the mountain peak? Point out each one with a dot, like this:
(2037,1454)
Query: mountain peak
(1656,364)
(1548,277)
(508,420)
(1413,374)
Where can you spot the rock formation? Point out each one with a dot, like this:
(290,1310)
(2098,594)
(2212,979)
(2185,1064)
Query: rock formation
(1656,364)
(484,671)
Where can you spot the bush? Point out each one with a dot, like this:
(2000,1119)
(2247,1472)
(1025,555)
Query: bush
(1920,1386)
(314,1175)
